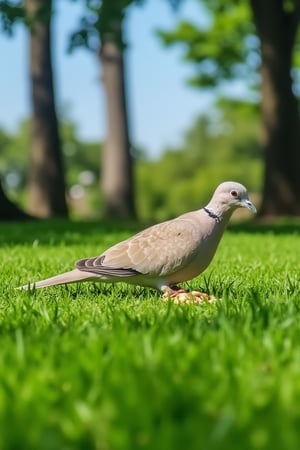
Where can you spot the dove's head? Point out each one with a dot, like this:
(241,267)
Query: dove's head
(229,196)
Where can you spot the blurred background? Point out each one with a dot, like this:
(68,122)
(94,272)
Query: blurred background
(139,109)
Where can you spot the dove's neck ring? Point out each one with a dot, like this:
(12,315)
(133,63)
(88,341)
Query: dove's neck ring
(211,214)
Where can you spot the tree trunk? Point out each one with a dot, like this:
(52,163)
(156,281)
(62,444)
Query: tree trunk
(117,161)
(280,116)
(10,211)
(46,184)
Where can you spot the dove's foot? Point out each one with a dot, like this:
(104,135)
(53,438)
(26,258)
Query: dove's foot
(179,296)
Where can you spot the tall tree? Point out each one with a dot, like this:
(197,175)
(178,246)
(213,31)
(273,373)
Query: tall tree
(46,180)
(226,47)
(9,14)
(102,32)
(277,23)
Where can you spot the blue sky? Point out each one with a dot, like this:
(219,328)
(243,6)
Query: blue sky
(161,107)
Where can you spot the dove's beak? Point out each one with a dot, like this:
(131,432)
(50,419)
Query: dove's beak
(249,205)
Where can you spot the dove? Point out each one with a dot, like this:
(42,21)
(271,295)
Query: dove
(165,254)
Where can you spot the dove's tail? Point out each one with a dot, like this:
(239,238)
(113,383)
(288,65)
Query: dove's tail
(65,278)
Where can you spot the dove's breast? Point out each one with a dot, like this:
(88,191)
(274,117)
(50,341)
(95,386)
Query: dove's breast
(203,255)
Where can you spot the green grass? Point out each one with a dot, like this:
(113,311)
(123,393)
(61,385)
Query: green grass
(112,367)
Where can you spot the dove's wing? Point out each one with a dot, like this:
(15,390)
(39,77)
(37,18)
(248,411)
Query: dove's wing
(157,251)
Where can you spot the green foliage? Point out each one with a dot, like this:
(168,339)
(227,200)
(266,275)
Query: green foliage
(14,159)
(15,147)
(79,155)
(221,145)
(11,12)
(225,48)
(102,21)
(82,163)
(113,367)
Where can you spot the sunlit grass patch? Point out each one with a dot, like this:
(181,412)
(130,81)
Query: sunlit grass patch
(111,366)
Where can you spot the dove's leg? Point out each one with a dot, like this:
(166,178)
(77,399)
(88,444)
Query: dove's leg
(175,289)
(179,295)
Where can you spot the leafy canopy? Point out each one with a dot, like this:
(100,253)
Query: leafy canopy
(102,21)
(11,12)
(224,48)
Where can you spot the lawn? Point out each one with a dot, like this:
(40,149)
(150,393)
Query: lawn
(112,367)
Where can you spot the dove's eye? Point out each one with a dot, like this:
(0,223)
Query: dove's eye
(233,194)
